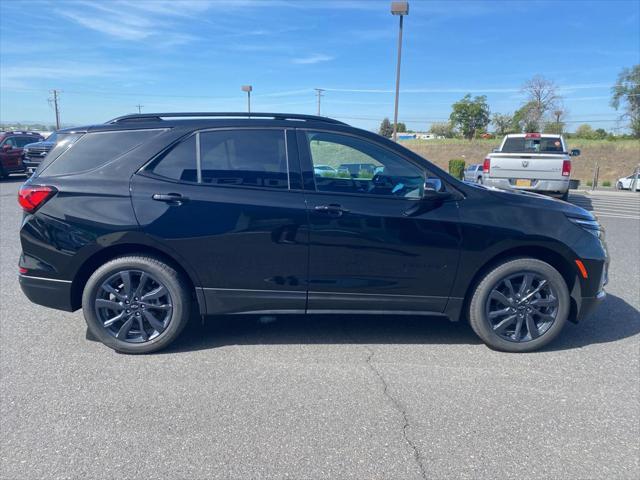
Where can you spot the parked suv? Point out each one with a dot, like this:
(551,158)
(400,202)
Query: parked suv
(11,145)
(150,217)
(34,153)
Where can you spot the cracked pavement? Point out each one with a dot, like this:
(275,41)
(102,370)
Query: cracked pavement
(319,396)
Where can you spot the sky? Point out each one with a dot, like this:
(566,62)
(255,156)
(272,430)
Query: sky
(106,57)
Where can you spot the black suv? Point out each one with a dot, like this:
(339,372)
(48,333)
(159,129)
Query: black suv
(143,219)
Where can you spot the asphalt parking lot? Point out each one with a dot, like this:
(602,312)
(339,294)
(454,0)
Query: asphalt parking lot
(322,397)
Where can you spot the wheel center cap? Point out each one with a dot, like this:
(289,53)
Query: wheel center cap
(134,306)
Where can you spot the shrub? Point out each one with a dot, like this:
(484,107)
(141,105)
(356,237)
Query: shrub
(456,167)
(365,174)
(606,183)
(589,183)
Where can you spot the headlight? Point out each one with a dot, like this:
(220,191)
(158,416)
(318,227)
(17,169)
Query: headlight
(591,226)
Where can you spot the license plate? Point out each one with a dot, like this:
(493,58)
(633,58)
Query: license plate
(521,182)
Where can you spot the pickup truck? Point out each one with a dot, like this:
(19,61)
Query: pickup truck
(536,162)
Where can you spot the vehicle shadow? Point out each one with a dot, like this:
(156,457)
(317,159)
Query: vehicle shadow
(614,320)
(581,200)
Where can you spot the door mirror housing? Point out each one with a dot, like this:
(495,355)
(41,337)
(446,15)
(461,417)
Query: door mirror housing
(432,184)
(575,152)
(6,147)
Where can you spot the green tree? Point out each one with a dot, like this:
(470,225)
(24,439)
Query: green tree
(470,115)
(442,129)
(600,134)
(585,131)
(503,123)
(386,129)
(626,94)
(401,127)
(525,119)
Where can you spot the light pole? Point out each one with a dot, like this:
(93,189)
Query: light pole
(401,9)
(320,95)
(248,89)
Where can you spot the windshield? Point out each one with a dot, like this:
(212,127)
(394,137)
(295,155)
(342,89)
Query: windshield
(532,145)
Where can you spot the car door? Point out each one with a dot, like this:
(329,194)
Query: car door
(11,154)
(226,202)
(370,248)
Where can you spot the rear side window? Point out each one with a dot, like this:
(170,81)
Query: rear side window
(22,141)
(96,149)
(244,158)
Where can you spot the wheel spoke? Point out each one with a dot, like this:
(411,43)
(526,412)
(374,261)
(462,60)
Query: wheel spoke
(512,292)
(110,304)
(499,327)
(153,321)
(124,329)
(526,283)
(532,327)
(158,307)
(113,320)
(126,282)
(516,333)
(143,282)
(500,297)
(108,288)
(546,317)
(544,302)
(143,333)
(499,313)
(154,294)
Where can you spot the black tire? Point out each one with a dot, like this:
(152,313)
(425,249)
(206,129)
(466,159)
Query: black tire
(480,180)
(158,274)
(619,186)
(2,173)
(565,196)
(479,305)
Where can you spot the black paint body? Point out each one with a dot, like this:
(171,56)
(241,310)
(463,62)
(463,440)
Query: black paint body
(261,250)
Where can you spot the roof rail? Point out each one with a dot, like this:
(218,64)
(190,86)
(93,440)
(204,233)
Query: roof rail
(277,116)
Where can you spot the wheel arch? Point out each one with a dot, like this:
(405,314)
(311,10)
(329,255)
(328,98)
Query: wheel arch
(109,253)
(553,258)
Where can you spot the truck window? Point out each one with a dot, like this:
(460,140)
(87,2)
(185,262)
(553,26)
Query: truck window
(532,145)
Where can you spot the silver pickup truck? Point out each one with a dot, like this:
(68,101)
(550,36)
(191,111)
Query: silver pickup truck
(536,162)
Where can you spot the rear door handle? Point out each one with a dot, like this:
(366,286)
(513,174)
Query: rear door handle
(170,198)
(331,209)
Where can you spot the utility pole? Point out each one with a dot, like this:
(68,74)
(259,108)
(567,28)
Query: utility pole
(400,9)
(56,108)
(139,108)
(320,95)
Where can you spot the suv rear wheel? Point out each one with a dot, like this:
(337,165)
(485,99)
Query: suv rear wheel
(520,305)
(136,304)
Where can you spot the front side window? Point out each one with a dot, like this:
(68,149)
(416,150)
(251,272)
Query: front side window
(361,167)
(235,158)
(22,141)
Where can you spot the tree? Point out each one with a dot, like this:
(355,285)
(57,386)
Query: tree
(525,119)
(401,127)
(386,129)
(542,96)
(585,131)
(470,115)
(600,134)
(442,129)
(503,123)
(626,94)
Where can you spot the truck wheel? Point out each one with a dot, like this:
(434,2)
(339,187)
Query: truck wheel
(520,305)
(565,196)
(480,180)
(136,304)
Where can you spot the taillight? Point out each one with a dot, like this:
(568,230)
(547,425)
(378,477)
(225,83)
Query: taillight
(486,166)
(32,197)
(566,168)
(532,135)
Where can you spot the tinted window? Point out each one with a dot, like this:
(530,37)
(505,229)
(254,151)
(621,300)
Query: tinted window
(179,163)
(362,167)
(96,149)
(255,158)
(532,145)
(22,141)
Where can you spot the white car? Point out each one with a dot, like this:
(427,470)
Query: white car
(625,183)
(324,169)
(473,173)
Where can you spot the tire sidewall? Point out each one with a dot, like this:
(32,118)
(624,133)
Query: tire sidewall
(173,284)
(477,313)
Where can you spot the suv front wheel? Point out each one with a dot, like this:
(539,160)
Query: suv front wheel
(520,305)
(136,304)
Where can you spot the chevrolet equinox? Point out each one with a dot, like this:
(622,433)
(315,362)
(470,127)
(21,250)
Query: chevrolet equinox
(149,218)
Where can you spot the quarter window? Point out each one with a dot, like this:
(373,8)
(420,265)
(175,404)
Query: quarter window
(179,163)
(359,166)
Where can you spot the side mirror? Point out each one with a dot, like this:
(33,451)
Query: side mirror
(6,147)
(432,185)
(496,150)
(575,152)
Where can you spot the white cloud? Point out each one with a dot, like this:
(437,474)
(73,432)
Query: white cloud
(311,59)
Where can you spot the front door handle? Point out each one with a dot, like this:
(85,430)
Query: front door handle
(170,198)
(332,209)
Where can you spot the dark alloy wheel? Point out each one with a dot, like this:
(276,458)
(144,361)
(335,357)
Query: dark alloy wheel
(134,306)
(519,305)
(522,307)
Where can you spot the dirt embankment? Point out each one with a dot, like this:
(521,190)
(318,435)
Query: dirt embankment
(615,158)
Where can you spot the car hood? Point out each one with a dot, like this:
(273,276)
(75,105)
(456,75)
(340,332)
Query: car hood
(40,144)
(530,199)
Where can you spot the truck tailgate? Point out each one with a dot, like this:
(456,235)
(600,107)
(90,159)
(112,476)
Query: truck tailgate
(534,166)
